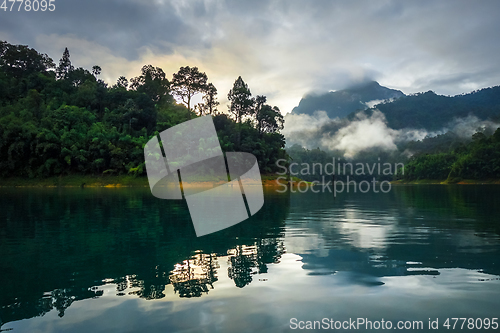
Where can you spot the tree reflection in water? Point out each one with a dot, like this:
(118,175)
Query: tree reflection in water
(245,261)
(194,276)
(63,245)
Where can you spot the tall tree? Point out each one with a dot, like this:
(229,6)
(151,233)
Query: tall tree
(20,60)
(241,100)
(64,65)
(122,82)
(269,119)
(187,82)
(210,101)
(96,70)
(153,83)
(260,100)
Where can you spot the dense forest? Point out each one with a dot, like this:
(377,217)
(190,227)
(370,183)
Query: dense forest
(477,159)
(443,157)
(370,159)
(59,120)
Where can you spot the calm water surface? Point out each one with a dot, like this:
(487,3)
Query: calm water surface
(120,260)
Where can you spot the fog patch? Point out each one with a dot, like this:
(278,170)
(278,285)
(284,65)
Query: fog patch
(364,133)
(361,134)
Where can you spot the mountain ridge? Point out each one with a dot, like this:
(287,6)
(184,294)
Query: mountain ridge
(426,110)
(432,111)
(341,103)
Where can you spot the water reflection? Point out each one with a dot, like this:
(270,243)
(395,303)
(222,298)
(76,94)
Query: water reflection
(245,261)
(414,230)
(196,275)
(59,246)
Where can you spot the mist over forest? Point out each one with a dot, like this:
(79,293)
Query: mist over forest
(60,120)
(394,129)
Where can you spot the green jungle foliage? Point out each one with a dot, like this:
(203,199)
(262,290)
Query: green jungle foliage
(316,165)
(444,157)
(478,159)
(59,120)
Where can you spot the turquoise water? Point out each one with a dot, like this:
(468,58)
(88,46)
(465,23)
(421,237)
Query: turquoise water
(120,260)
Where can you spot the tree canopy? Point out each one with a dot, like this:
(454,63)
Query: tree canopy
(240,98)
(477,159)
(64,120)
(187,82)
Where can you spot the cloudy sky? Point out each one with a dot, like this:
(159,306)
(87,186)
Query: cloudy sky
(282,49)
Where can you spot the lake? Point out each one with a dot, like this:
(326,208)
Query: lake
(121,260)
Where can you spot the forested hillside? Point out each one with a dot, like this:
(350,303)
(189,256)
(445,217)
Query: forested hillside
(479,159)
(431,111)
(58,120)
(445,157)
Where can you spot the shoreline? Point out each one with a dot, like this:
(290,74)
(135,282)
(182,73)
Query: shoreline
(109,181)
(446,182)
(119,181)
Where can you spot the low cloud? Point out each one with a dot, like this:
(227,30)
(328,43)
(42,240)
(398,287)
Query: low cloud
(372,103)
(364,133)
(466,127)
(361,134)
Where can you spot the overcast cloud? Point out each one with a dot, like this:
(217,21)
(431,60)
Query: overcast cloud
(283,49)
